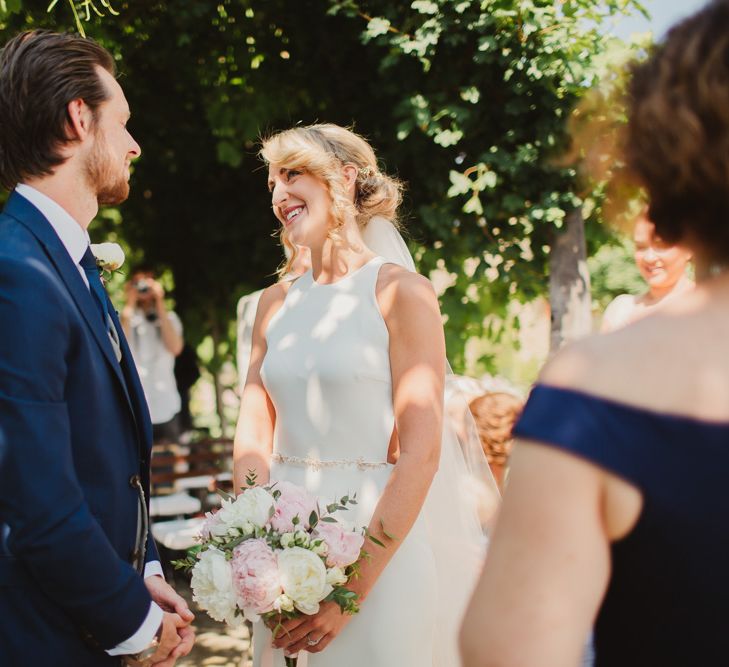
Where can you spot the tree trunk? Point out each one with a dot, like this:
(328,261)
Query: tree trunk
(569,284)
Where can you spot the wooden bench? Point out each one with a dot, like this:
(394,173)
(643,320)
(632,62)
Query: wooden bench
(173,464)
(184,481)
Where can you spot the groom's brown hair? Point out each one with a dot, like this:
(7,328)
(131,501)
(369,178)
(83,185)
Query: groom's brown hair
(40,73)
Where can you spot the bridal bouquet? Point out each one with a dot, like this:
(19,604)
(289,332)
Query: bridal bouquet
(274,553)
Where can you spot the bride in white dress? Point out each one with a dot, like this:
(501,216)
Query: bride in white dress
(344,395)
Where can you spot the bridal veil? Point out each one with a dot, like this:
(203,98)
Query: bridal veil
(463,497)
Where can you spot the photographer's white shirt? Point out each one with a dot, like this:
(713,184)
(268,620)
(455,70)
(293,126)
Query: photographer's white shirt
(155,364)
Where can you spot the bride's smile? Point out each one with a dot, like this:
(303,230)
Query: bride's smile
(301,204)
(291,213)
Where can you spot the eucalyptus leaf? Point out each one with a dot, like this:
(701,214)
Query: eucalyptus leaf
(372,538)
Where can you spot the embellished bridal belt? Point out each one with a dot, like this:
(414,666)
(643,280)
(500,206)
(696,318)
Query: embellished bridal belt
(317,464)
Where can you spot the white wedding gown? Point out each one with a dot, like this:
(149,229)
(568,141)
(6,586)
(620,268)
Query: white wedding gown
(327,371)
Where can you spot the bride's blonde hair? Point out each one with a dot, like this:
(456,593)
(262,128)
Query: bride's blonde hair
(322,150)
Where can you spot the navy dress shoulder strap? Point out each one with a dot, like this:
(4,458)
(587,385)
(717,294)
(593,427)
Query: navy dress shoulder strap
(639,445)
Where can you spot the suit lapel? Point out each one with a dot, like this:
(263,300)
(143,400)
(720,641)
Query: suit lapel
(24,212)
(133,384)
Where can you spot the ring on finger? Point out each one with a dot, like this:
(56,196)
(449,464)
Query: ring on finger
(310,641)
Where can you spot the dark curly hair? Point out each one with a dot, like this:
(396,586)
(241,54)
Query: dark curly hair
(677,140)
(40,73)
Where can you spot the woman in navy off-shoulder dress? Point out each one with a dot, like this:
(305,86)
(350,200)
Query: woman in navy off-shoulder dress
(616,514)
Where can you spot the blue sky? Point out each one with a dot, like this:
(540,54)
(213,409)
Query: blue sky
(664,13)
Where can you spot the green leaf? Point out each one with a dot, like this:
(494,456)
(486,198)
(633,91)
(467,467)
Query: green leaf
(11,6)
(224,494)
(229,154)
(384,532)
(186,563)
(471,94)
(376,27)
(461,184)
(346,599)
(473,205)
(425,6)
(447,138)
(376,541)
(313,519)
(251,477)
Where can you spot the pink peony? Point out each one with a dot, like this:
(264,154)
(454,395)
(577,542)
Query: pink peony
(255,577)
(343,544)
(293,502)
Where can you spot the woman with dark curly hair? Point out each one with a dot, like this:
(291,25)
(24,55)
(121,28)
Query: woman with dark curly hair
(615,514)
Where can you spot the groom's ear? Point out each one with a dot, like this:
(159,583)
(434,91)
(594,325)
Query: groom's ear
(80,120)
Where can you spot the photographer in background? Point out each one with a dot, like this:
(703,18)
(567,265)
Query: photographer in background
(155,338)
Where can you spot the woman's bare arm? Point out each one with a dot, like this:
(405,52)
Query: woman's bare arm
(548,564)
(257,417)
(417,360)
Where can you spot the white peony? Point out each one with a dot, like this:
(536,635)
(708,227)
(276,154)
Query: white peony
(336,576)
(303,578)
(212,587)
(283,603)
(109,255)
(219,529)
(250,509)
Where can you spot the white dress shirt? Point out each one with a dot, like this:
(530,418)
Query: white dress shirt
(75,239)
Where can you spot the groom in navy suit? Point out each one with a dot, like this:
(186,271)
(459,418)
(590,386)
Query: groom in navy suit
(80,583)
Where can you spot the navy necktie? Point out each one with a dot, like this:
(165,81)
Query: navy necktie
(88,264)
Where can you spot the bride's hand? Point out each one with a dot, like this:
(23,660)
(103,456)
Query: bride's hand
(297,634)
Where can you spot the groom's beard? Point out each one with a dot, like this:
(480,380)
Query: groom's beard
(109,183)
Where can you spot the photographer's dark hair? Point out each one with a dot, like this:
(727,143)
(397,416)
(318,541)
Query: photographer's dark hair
(143,267)
(677,142)
(40,73)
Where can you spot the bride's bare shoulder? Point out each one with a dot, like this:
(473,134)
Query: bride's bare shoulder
(396,277)
(274,294)
(271,300)
(397,285)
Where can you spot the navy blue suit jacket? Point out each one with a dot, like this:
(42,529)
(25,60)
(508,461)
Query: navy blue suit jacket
(77,429)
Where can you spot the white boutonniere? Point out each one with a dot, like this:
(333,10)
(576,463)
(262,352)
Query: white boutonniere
(109,256)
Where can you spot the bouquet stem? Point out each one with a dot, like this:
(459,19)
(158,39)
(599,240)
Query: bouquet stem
(292,661)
